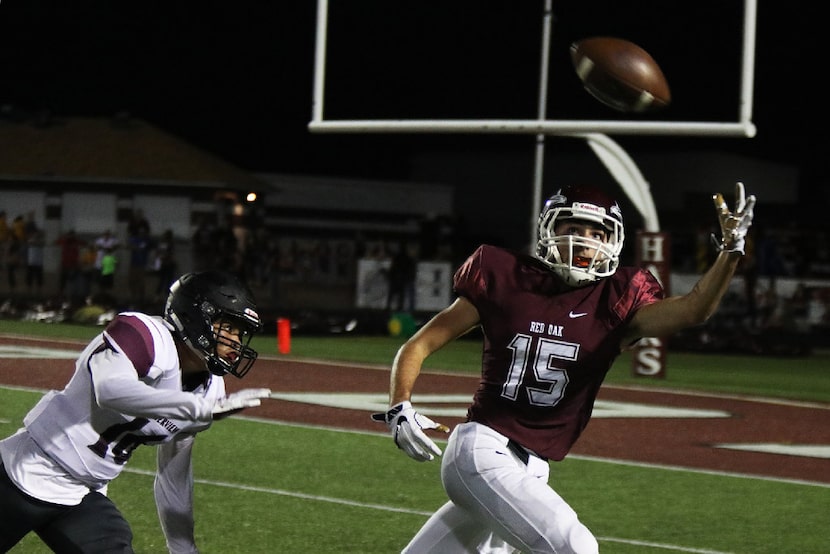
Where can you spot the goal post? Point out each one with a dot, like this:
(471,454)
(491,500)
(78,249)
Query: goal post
(741,127)
(652,246)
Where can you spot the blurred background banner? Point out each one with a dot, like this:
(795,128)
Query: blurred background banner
(433,285)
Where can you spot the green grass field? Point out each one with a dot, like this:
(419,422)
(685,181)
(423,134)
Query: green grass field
(268,487)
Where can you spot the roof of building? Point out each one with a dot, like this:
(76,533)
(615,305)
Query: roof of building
(114,150)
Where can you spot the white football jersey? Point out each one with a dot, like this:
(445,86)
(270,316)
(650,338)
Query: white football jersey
(126,391)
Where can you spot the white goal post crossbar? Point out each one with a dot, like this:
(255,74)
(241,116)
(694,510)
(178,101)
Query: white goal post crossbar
(743,126)
(618,163)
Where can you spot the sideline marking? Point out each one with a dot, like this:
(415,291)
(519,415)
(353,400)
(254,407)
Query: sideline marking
(602,408)
(378,402)
(17,351)
(385,435)
(384,508)
(63,354)
(806,450)
(603,460)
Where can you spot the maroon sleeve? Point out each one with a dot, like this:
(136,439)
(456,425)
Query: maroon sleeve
(131,337)
(468,280)
(643,289)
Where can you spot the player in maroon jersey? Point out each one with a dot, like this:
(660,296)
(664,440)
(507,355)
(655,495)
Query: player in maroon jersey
(553,324)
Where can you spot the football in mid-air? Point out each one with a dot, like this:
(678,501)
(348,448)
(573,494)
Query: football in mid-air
(620,74)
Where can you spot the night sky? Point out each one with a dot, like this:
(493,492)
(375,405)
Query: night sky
(235,78)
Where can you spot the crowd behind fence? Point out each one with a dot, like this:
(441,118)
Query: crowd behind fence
(783,282)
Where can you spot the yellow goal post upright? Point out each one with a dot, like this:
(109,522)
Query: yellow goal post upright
(649,359)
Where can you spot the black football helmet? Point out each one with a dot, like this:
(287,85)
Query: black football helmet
(585,204)
(197,300)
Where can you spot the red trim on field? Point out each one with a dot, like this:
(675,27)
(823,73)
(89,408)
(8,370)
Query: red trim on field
(683,442)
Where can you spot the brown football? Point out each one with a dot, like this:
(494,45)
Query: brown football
(620,74)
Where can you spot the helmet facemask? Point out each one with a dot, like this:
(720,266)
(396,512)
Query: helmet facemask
(245,356)
(557,251)
(199,305)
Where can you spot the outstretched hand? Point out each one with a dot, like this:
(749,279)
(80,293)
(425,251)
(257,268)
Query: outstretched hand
(234,402)
(734,225)
(406,426)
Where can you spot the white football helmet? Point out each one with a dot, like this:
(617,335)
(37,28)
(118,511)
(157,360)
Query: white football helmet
(584,204)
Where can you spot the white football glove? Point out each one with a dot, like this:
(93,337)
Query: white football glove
(406,426)
(734,225)
(236,401)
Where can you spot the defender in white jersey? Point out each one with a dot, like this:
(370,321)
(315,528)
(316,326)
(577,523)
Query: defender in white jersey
(144,380)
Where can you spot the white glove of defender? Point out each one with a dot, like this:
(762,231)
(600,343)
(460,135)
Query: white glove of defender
(406,426)
(734,225)
(245,398)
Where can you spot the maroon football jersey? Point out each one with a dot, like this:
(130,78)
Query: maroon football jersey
(547,346)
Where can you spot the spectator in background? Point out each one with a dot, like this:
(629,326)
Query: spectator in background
(769,259)
(768,308)
(4,237)
(344,261)
(103,244)
(255,257)
(798,306)
(109,263)
(34,262)
(14,259)
(401,276)
(70,267)
(819,259)
(165,263)
(360,250)
(138,224)
(203,244)
(305,263)
(140,245)
(16,251)
(322,254)
(817,317)
(18,228)
(224,247)
(29,224)
(288,260)
(748,267)
(273,268)
(87,273)
(430,236)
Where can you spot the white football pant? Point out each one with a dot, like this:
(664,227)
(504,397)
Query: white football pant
(498,504)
